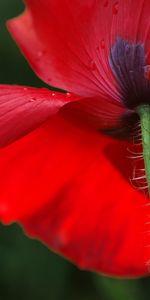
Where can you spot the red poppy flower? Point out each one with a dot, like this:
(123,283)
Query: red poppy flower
(65,172)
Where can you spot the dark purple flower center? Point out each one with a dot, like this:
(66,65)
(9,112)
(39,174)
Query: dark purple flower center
(128,63)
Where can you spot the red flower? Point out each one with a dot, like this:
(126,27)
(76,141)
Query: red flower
(65,182)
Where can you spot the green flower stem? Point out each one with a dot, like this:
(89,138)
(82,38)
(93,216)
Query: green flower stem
(144,113)
(118,289)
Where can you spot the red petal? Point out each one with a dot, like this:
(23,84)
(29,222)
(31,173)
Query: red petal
(95,112)
(68,42)
(23,109)
(60,40)
(70,188)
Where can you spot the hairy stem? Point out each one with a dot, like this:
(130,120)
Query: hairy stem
(144,113)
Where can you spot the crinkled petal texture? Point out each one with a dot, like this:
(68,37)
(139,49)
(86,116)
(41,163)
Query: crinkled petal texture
(65,186)
(65,183)
(68,44)
(22,109)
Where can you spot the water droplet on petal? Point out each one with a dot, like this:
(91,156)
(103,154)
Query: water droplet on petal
(102,44)
(68,94)
(25,88)
(115,8)
(53,94)
(92,65)
(40,53)
(32,99)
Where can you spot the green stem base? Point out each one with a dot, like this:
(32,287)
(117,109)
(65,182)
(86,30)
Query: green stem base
(144,114)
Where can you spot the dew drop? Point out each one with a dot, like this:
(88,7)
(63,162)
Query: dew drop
(40,53)
(25,88)
(32,99)
(53,94)
(68,94)
(115,8)
(102,44)
(92,65)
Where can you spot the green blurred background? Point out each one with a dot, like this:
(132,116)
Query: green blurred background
(28,270)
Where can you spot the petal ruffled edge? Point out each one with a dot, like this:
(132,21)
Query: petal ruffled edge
(22,109)
(69,191)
